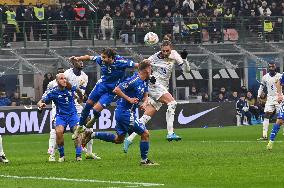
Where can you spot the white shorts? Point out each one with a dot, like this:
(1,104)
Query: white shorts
(156,91)
(271,105)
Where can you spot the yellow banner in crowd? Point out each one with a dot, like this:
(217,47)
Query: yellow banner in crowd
(26,2)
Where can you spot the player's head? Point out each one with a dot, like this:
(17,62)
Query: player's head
(60,70)
(272,68)
(166,48)
(145,68)
(61,80)
(78,65)
(108,55)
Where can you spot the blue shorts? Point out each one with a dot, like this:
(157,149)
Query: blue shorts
(127,122)
(280,114)
(102,93)
(71,120)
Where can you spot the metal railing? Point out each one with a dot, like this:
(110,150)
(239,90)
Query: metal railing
(188,30)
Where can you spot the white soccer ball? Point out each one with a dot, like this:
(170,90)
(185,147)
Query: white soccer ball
(245,109)
(151,38)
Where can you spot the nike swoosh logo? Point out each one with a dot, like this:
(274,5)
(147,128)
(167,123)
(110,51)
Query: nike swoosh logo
(185,120)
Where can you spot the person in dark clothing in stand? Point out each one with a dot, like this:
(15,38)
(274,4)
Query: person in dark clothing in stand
(20,18)
(29,17)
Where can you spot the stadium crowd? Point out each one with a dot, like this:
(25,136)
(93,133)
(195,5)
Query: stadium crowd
(129,20)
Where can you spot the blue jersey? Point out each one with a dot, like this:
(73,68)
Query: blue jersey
(282,79)
(114,73)
(63,100)
(133,87)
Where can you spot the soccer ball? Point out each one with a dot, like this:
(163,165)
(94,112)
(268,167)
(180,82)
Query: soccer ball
(151,38)
(245,109)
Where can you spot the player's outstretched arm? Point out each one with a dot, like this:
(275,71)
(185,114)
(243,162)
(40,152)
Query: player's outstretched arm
(81,58)
(120,93)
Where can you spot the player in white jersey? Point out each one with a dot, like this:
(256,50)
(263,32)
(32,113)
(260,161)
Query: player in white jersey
(269,81)
(162,65)
(3,158)
(75,76)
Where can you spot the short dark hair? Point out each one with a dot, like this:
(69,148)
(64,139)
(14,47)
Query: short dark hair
(166,43)
(109,52)
(144,64)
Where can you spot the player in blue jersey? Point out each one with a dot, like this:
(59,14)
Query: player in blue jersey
(280,115)
(66,113)
(113,71)
(131,91)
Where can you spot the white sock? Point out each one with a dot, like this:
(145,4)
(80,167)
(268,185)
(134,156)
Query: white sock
(265,127)
(170,116)
(52,141)
(131,137)
(144,119)
(90,146)
(1,147)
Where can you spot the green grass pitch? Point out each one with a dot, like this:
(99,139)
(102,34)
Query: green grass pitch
(212,157)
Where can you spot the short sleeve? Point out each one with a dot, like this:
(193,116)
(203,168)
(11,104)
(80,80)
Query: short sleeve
(125,63)
(47,96)
(282,79)
(97,59)
(128,84)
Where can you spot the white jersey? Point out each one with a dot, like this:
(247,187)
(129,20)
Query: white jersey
(270,83)
(163,67)
(80,81)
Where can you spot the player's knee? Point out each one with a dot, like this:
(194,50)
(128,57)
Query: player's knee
(118,140)
(145,135)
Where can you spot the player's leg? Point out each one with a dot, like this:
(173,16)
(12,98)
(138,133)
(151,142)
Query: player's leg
(3,158)
(274,132)
(268,110)
(140,129)
(168,99)
(150,110)
(60,141)
(73,123)
(52,145)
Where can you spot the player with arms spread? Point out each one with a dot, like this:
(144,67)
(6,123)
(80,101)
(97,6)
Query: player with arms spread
(162,64)
(269,81)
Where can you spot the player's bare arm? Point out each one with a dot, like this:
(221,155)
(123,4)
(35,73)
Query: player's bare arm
(81,58)
(120,93)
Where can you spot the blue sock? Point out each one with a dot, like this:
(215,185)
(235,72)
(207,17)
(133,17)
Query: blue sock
(108,137)
(274,131)
(61,151)
(85,113)
(78,151)
(144,148)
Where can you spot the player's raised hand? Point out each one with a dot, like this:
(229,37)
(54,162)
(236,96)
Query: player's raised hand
(183,54)
(133,100)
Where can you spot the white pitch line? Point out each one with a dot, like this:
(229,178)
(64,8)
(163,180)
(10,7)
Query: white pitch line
(82,180)
(232,141)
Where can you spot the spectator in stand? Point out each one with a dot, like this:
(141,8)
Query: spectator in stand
(80,20)
(47,78)
(128,32)
(119,22)
(4,100)
(107,26)
(20,13)
(253,22)
(224,92)
(243,90)
(214,29)
(264,7)
(15,99)
(205,97)
(11,23)
(29,17)
(221,98)
(253,108)
(138,11)
(39,16)
(193,92)
(242,108)
(234,96)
